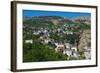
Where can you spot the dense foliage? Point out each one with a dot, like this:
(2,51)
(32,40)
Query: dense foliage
(40,52)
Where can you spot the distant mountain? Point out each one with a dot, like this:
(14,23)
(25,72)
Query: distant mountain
(45,21)
(48,17)
(86,19)
(25,18)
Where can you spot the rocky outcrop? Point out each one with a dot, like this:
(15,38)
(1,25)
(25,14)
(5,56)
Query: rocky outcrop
(85,40)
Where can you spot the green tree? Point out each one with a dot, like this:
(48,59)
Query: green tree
(40,52)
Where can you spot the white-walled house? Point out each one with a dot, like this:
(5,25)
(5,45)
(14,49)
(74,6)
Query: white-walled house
(46,41)
(75,53)
(74,48)
(41,37)
(87,52)
(45,31)
(67,45)
(29,41)
(36,33)
(86,47)
(59,47)
(67,52)
(69,32)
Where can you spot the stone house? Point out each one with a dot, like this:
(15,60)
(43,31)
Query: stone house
(29,41)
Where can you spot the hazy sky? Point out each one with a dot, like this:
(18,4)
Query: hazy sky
(30,13)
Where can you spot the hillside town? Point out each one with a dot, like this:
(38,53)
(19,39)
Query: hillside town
(64,38)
